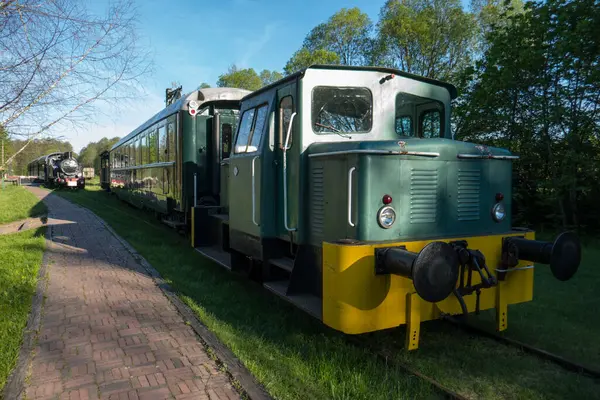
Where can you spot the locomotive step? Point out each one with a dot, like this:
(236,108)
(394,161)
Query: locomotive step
(222,217)
(219,256)
(307,302)
(285,263)
(173,224)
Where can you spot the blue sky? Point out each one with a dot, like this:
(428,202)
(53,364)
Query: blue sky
(194,42)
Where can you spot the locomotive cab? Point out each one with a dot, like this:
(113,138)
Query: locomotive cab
(349,197)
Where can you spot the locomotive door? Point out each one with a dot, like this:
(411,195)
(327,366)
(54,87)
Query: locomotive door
(246,167)
(287,161)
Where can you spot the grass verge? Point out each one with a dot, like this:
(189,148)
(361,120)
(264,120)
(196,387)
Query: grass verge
(295,357)
(20,259)
(18,203)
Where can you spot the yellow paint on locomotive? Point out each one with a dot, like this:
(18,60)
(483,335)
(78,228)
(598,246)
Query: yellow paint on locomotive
(355,300)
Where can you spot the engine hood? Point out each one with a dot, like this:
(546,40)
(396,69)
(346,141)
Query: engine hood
(440,149)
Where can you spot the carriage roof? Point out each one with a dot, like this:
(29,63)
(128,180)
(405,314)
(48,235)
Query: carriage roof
(199,95)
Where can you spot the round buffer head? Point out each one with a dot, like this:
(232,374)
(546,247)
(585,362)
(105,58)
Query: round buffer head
(435,271)
(566,256)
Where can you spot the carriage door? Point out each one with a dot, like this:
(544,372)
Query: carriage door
(288,182)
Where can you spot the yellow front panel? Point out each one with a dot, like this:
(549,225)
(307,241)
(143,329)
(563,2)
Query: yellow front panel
(355,300)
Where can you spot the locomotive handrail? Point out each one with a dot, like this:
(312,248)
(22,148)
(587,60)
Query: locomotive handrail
(486,156)
(254,192)
(285,199)
(350,172)
(382,152)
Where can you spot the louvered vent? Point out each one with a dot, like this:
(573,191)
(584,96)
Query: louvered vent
(317,202)
(423,196)
(469,181)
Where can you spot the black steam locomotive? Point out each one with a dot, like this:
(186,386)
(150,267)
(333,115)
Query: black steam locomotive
(57,169)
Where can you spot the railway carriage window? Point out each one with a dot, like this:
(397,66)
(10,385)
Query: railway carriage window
(144,147)
(286,107)
(241,143)
(259,125)
(431,124)
(162,144)
(138,151)
(133,155)
(171,135)
(341,110)
(153,144)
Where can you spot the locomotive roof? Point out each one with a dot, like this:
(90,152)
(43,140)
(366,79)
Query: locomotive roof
(451,88)
(199,95)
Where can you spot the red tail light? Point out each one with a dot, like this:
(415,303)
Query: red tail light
(499,197)
(387,199)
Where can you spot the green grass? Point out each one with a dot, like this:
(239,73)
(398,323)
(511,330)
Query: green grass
(20,259)
(18,203)
(295,357)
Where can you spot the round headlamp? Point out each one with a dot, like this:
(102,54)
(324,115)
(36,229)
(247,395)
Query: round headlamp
(386,216)
(498,212)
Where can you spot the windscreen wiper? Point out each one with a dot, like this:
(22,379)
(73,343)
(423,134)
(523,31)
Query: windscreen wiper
(334,130)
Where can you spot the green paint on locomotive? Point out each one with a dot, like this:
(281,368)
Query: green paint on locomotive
(434,192)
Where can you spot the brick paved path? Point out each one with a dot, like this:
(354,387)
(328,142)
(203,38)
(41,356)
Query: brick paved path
(107,331)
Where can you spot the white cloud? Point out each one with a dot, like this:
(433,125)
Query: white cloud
(251,47)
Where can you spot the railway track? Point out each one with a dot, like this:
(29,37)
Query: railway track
(388,358)
(446,392)
(540,353)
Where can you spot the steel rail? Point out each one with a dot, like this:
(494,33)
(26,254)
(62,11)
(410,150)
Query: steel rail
(541,353)
(444,390)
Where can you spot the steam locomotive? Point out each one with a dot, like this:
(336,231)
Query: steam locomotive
(57,169)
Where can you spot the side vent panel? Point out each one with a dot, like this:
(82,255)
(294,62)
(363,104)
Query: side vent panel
(469,182)
(423,196)
(317,202)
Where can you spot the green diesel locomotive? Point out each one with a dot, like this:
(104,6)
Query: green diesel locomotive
(346,194)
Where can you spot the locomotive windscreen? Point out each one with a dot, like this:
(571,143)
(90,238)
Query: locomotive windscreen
(69,166)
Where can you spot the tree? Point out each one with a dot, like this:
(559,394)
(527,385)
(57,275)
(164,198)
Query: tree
(89,155)
(491,15)
(36,148)
(240,78)
(267,77)
(347,33)
(537,92)
(59,60)
(432,38)
(304,58)
(204,85)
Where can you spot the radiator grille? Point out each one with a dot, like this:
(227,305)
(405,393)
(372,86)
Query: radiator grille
(423,196)
(469,182)
(317,202)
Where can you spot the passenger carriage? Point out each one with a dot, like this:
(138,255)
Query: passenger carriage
(347,195)
(172,161)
